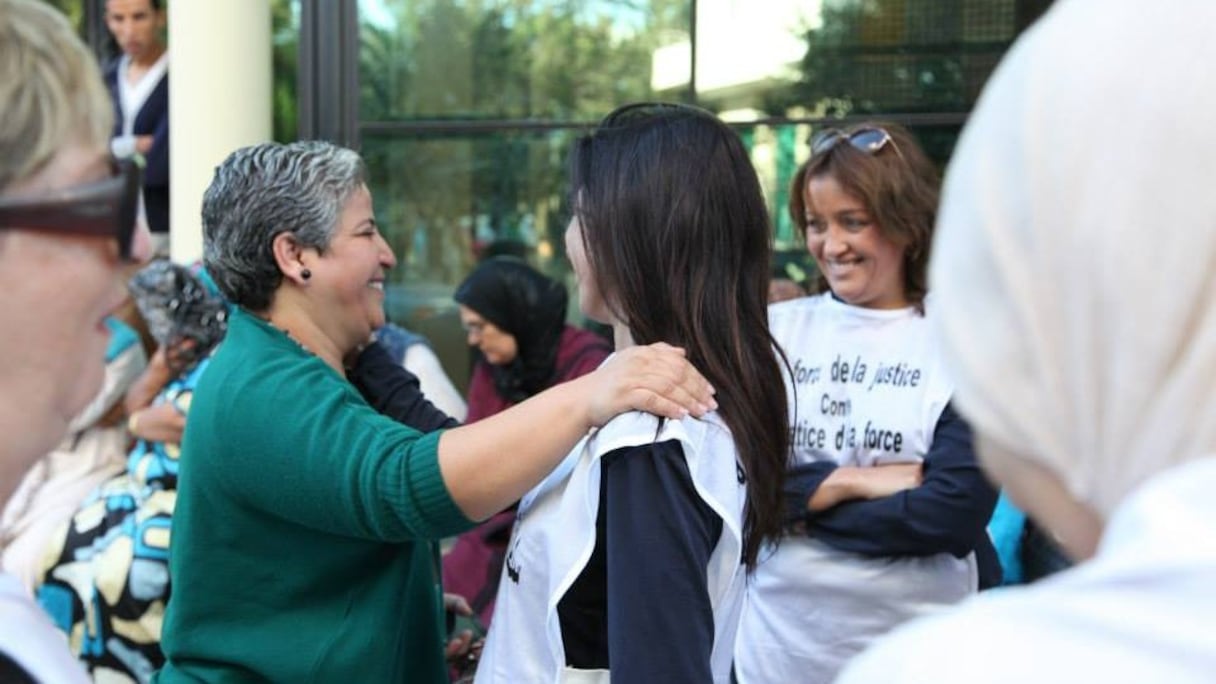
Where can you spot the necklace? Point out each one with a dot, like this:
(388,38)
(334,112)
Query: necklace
(338,366)
(287,334)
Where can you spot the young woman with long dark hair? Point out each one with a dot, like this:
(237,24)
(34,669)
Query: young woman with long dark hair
(628,563)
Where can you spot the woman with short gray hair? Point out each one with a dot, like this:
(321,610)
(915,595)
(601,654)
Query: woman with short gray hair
(260,191)
(303,538)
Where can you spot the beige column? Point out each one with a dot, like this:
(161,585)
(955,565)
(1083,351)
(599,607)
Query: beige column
(219,100)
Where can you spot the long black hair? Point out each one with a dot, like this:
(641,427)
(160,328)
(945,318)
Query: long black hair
(678,240)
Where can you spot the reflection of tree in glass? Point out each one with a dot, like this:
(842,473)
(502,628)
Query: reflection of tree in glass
(285,38)
(881,57)
(511,59)
(871,56)
(498,62)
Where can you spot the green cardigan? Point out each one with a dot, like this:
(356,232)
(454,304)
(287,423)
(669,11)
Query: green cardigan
(302,541)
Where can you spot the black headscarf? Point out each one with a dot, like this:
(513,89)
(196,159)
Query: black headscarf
(527,305)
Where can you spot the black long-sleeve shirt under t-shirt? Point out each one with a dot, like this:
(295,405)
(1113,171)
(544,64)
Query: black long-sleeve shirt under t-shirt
(641,606)
(947,513)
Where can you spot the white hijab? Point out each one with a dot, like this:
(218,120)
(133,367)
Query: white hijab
(1074,268)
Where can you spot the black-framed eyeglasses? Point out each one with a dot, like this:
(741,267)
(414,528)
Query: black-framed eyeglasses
(104,208)
(868,139)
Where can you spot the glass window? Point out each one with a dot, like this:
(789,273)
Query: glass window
(901,55)
(467,109)
(285,41)
(511,59)
(746,51)
(446,200)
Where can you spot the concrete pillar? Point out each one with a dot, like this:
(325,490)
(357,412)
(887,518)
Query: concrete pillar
(219,100)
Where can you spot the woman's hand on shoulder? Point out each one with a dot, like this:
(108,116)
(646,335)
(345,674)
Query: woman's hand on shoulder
(655,378)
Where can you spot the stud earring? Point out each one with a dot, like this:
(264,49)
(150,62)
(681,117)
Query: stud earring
(306,274)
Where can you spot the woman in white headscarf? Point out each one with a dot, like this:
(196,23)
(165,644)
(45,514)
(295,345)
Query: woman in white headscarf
(1075,275)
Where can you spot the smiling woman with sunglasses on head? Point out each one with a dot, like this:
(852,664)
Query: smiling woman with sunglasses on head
(886,506)
(66,235)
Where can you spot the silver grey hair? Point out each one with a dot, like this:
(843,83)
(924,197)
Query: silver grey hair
(262,191)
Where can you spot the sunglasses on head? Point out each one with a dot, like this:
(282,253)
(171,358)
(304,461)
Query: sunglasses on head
(868,139)
(104,208)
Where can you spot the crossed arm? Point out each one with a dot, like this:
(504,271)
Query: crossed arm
(940,506)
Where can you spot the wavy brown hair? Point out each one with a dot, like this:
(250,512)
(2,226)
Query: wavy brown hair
(898,185)
(678,239)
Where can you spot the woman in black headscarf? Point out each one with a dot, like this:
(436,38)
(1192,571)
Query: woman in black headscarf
(516,317)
